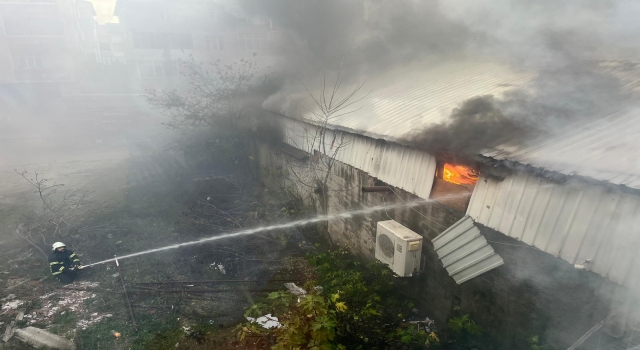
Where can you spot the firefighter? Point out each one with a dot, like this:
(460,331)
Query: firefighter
(64,263)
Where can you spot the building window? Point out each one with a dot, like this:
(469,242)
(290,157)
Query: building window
(213,15)
(27,62)
(85,10)
(156,69)
(157,40)
(180,41)
(110,60)
(252,41)
(167,15)
(143,40)
(215,42)
(24,26)
(117,47)
(105,47)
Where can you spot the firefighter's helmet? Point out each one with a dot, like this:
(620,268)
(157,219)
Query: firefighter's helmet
(58,245)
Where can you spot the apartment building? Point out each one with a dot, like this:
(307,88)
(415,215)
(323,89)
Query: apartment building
(42,40)
(160,33)
(43,44)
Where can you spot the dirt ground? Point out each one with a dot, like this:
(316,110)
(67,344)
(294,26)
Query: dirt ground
(148,192)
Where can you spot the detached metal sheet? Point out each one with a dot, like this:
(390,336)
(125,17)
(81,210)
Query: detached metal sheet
(403,167)
(574,221)
(464,251)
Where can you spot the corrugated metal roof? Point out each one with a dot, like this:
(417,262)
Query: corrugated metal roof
(403,167)
(607,150)
(414,97)
(464,251)
(574,221)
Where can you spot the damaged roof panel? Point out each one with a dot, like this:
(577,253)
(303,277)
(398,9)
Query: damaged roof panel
(464,251)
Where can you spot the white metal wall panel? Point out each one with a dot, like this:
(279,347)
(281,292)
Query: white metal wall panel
(403,167)
(464,251)
(573,221)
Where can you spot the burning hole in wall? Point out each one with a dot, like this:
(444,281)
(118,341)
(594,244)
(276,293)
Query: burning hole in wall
(453,184)
(459,174)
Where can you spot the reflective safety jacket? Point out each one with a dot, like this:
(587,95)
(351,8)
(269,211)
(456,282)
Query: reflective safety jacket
(60,262)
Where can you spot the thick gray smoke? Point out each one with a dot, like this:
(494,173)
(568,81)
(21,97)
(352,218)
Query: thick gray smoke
(568,46)
(475,125)
(366,37)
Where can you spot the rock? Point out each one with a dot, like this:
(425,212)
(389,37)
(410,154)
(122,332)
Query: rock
(40,338)
(8,297)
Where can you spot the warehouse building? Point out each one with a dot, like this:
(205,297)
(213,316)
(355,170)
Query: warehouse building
(554,248)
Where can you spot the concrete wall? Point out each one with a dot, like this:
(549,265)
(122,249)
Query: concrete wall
(533,293)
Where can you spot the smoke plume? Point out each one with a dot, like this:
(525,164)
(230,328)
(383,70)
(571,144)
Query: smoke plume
(568,47)
(475,125)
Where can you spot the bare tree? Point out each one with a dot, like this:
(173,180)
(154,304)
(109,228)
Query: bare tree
(321,140)
(215,95)
(63,213)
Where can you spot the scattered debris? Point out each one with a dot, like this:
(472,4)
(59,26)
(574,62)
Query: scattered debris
(215,266)
(428,325)
(40,338)
(267,321)
(11,305)
(8,332)
(295,290)
(93,319)
(48,295)
(8,297)
(67,300)
(16,281)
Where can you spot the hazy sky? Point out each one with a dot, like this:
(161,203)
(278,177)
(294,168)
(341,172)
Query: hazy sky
(104,9)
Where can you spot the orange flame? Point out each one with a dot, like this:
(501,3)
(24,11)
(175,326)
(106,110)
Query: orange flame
(459,174)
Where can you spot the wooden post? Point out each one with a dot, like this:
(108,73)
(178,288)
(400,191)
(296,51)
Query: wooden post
(126,296)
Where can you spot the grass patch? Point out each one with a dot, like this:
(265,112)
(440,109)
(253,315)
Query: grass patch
(99,336)
(64,322)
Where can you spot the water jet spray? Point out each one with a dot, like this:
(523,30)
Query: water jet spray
(271,228)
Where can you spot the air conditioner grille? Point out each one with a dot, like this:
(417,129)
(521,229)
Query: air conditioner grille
(386,246)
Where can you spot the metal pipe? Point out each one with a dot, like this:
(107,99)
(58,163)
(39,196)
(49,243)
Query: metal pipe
(222,281)
(199,290)
(94,290)
(376,189)
(126,296)
(590,332)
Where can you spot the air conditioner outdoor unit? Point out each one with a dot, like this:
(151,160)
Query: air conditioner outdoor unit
(398,247)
